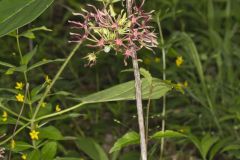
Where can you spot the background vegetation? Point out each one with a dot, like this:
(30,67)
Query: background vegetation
(202,121)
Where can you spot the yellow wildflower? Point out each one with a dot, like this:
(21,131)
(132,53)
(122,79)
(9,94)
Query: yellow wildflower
(19,85)
(47,79)
(24,157)
(157,60)
(34,135)
(92,58)
(185,84)
(20,97)
(44,104)
(13,144)
(179,61)
(4,116)
(179,86)
(58,108)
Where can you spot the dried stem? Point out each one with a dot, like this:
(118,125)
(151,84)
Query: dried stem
(138,96)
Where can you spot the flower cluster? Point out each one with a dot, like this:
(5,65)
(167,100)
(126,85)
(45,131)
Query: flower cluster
(106,30)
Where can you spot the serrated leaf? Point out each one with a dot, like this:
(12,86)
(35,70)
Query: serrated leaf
(129,138)
(126,91)
(17,13)
(91,148)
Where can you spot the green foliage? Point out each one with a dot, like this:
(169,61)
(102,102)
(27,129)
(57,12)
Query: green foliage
(126,91)
(126,140)
(98,101)
(17,14)
(91,148)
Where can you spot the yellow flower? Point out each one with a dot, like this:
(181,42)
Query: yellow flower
(34,135)
(47,79)
(185,84)
(44,104)
(19,85)
(4,116)
(92,58)
(157,60)
(58,108)
(24,157)
(179,61)
(179,86)
(13,144)
(20,97)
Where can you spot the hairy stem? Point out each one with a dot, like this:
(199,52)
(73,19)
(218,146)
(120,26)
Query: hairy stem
(138,95)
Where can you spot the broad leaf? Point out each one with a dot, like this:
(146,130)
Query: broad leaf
(126,91)
(17,13)
(34,155)
(127,139)
(50,133)
(91,148)
(21,146)
(49,150)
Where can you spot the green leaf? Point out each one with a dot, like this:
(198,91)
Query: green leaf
(126,91)
(21,146)
(29,33)
(206,144)
(218,146)
(17,14)
(34,155)
(167,134)
(146,74)
(49,150)
(44,62)
(10,71)
(9,8)
(231,147)
(126,140)
(50,133)
(91,148)
(6,64)
(67,158)
(27,57)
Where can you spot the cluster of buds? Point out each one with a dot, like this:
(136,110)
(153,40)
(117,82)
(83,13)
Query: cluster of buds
(106,30)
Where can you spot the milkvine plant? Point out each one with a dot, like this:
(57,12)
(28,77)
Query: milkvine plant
(104,30)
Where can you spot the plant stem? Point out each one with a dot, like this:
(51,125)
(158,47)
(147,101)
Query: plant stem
(52,83)
(138,95)
(164,78)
